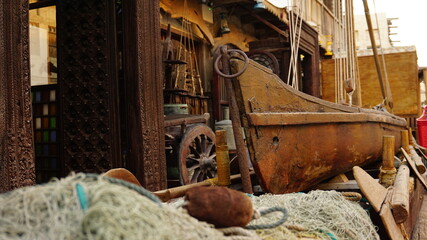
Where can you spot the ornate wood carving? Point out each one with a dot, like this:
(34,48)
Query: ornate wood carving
(17,166)
(88,85)
(142,66)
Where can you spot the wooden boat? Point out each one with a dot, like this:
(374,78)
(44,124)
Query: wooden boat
(296,140)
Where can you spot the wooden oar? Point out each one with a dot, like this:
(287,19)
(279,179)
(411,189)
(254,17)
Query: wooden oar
(373,191)
(378,197)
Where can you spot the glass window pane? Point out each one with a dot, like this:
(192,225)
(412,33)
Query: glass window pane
(43,45)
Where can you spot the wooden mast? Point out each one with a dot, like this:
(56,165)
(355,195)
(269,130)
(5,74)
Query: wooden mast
(384,84)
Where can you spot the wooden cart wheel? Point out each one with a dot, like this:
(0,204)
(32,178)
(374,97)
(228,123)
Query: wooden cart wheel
(266,59)
(197,154)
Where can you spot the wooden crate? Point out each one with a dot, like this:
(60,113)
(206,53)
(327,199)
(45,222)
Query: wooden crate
(402,72)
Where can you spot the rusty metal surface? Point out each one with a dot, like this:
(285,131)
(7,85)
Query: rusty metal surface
(315,144)
(17,167)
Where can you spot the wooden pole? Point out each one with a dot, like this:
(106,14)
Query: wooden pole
(384,85)
(405,140)
(417,159)
(387,171)
(400,197)
(237,125)
(222,158)
(388,152)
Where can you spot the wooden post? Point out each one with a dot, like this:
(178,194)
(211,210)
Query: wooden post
(388,152)
(417,159)
(400,197)
(144,95)
(405,140)
(222,158)
(387,171)
(17,165)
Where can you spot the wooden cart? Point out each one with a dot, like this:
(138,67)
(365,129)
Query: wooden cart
(190,149)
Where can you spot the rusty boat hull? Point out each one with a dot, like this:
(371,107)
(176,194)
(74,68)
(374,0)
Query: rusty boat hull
(296,141)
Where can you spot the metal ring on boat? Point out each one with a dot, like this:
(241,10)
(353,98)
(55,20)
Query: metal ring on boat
(236,74)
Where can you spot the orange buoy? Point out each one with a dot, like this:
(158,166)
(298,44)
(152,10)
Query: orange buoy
(220,206)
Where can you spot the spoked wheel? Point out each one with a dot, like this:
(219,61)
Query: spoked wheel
(197,154)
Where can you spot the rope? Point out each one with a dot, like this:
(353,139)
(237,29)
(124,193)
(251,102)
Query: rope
(144,192)
(238,233)
(387,176)
(271,225)
(352,196)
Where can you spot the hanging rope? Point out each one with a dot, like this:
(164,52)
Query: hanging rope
(296,27)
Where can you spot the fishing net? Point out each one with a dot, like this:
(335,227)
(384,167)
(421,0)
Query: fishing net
(317,214)
(82,207)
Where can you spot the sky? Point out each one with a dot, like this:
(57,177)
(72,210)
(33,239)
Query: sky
(411,25)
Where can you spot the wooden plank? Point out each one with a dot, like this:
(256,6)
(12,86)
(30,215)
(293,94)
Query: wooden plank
(373,191)
(340,178)
(297,118)
(420,227)
(393,230)
(416,210)
(414,168)
(350,185)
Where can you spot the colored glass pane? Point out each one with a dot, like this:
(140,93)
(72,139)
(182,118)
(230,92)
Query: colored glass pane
(54,163)
(53,122)
(53,136)
(45,109)
(46,150)
(38,123)
(45,136)
(45,96)
(38,136)
(38,96)
(52,109)
(53,150)
(45,123)
(38,149)
(52,95)
(38,110)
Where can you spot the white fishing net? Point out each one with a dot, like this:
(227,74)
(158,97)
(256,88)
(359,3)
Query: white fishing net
(317,214)
(54,211)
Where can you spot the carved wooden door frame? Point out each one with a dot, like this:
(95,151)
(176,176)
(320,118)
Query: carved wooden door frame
(17,167)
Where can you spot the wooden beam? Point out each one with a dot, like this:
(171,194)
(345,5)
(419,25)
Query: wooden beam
(292,118)
(17,165)
(144,113)
(267,23)
(349,185)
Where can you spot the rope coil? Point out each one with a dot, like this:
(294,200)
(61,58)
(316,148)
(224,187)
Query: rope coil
(271,225)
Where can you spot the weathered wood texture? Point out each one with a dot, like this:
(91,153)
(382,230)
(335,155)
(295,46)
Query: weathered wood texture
(289,154)
(88,83)
(144,113)
(420,222)
(400,197)
(17,166)
(415,224)
(402,72)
